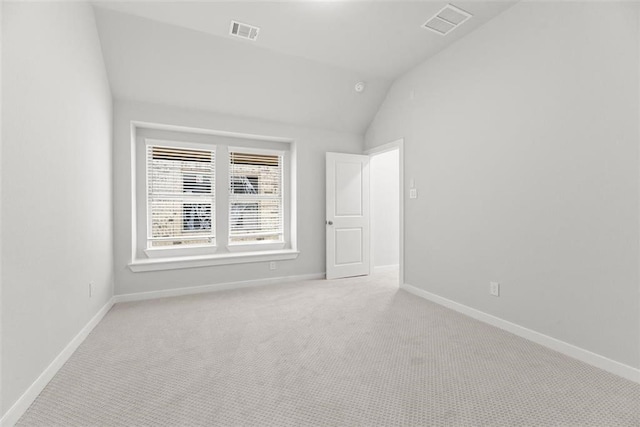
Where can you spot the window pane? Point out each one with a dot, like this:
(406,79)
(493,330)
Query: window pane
(181,196)
(196,217)
(255,210)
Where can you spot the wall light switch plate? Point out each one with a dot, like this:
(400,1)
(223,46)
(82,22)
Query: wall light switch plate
(413,193)
(272,265)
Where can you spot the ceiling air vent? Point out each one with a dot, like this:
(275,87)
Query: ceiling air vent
(244,31)
(448,19)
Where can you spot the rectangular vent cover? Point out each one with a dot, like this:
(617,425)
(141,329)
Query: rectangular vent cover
(244,31)
(446,20)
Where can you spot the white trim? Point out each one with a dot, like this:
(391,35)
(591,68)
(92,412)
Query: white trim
(390,146)
(176,143)
(565,348)
(189,129)
(188,259)
(22,404)
(139,296)
(155,264)
(383,268)
(399,145)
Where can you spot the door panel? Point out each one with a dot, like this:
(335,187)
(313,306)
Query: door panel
(348,188)
(348,246)
(347,221)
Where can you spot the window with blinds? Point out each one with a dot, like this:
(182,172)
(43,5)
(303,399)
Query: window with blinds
(255,197)
(180,196)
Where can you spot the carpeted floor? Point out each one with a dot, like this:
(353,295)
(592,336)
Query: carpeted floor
(350,352)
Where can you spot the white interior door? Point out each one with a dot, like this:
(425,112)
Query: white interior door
(347,219)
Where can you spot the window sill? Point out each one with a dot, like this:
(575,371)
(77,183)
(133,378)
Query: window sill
(175,263)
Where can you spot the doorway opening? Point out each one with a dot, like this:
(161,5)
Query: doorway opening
(386,201)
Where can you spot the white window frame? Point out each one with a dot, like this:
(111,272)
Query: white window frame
(162,252)
(256,246)
(222,252)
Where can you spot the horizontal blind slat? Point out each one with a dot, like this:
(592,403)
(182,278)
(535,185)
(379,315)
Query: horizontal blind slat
(255,197)
(181,195)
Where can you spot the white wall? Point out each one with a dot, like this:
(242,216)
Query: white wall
(56,185)
(523,141)
(385,212)
(311,145)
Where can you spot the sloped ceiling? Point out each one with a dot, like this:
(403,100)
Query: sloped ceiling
(302,69)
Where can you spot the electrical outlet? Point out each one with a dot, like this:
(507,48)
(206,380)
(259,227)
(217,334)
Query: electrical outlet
(413,193)
(272,265)
(90,289)
(494,289)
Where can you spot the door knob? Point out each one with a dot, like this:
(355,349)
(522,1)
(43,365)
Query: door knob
(329,222)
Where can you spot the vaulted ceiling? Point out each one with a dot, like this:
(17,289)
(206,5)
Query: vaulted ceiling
(301,70)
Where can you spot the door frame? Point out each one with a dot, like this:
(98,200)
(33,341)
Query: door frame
(399,145)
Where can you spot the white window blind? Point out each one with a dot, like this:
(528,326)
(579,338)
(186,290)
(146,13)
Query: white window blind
(180,196)
(255,197)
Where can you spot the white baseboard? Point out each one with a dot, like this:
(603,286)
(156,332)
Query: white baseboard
(22,404)
(139,296)
(383,268)
(567,349)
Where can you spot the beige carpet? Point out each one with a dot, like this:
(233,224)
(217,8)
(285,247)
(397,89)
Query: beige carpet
(351,352)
